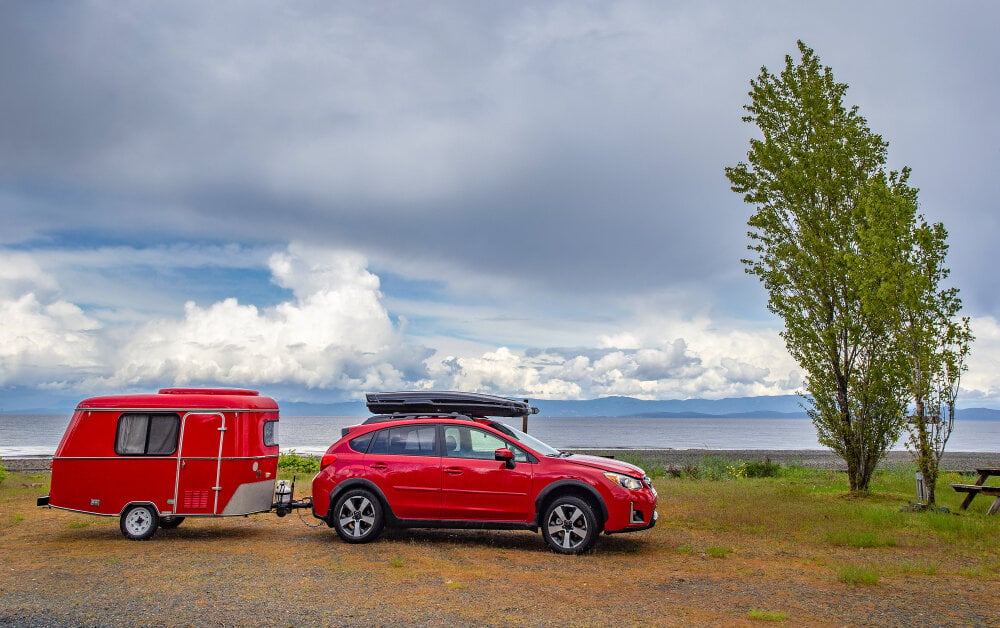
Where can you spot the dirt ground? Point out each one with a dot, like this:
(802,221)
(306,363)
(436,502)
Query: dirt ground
(65,569)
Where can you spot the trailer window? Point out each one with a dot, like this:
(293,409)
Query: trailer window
(270,433)
(147,434)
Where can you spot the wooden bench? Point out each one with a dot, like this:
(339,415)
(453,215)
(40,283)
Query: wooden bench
(980,488)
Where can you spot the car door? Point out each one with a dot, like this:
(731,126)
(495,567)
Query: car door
(405,463)
(477,487)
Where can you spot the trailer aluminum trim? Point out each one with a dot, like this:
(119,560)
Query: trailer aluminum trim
(224,458)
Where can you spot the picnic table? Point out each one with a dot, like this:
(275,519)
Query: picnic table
(980,488)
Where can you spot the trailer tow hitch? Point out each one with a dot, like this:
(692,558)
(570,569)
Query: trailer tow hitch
(283,501)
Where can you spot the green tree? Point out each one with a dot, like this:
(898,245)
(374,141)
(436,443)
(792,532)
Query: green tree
(828,234)
(936,342)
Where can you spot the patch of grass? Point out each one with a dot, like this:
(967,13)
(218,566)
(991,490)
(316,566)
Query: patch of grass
(847,538)
(855,575)
(760,614)
(718,552)
(929,568)
(451,584)
(396,563)
(77,525)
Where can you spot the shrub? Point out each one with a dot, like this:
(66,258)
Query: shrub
(291,462)
(3,471)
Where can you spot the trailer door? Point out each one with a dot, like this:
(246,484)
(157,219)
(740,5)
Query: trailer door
(199,464)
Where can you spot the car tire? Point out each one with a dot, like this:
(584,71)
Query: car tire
(569,525)
(139,522)
(170,522)
(358,517)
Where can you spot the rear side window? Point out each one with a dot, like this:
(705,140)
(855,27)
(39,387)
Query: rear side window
(147,434)
(360,444)
(270,433)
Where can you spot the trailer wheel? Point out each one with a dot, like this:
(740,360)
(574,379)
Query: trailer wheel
(170,522)
(358,517)
(139,522)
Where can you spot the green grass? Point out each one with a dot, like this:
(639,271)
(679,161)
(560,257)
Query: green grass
(718,552)
(760,614)
(855,575)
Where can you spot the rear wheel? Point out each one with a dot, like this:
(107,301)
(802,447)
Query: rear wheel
(357,516)
(170,522)
(570,526)
(139,522)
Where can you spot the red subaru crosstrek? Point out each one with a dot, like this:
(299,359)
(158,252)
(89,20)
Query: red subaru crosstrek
(435,460)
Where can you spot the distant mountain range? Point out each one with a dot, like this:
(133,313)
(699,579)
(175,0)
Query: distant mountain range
(783,406)
(775,407)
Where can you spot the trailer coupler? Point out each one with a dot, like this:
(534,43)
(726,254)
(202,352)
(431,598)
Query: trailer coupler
(283,502)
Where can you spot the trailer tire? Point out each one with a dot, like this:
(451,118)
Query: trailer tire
(358,516)
(170,522)
(139,522)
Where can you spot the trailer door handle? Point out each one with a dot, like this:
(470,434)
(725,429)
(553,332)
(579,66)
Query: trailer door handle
(379,465)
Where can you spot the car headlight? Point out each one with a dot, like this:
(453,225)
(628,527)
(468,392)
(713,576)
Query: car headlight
(625,481)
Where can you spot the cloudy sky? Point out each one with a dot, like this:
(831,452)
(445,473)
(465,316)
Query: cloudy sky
(317,199)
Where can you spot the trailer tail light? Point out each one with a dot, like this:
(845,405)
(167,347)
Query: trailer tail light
(327,460)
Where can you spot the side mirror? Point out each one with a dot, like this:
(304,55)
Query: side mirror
(504,455)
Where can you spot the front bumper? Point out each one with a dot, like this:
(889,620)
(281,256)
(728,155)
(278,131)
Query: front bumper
(637,528)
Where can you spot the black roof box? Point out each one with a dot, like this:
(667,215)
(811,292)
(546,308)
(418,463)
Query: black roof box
(434,402)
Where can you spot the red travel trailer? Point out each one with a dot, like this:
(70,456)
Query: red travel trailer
(154,459)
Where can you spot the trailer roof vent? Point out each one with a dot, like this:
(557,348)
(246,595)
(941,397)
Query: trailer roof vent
(209,391)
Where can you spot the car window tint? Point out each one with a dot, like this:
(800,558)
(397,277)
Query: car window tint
(413,440)
(360,444)
(380,444)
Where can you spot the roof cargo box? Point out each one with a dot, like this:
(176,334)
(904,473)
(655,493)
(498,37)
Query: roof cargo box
(436,402)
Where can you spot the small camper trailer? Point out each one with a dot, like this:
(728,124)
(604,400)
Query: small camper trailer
(154,459)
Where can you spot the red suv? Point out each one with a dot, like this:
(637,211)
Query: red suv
(435,460)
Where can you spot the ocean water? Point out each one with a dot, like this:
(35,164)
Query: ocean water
(39,435)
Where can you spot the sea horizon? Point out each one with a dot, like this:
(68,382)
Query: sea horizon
(26,435)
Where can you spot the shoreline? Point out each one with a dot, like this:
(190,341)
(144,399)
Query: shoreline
(959,461)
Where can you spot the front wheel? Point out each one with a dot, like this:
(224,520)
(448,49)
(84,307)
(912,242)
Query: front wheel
(138,523)
(570,526)
(358,517)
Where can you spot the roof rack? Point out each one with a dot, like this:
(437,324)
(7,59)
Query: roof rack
(396,416)
(445,403)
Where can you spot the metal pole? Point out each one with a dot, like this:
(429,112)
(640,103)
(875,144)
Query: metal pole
(524,421)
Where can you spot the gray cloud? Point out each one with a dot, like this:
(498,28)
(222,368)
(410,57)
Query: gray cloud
(564,155)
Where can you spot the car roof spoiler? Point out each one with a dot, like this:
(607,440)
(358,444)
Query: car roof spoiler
(438,402)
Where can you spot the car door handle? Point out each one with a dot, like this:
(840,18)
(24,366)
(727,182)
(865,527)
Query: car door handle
(453,470)
(379,465)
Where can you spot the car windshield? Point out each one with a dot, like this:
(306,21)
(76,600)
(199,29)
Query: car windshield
(526,439)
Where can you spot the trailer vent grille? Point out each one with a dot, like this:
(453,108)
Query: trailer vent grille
(195,500)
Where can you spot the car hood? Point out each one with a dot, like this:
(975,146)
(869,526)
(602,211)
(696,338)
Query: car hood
(605,464)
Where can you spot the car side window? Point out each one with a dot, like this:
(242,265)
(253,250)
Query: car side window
(467,442)
(413,440)
(380,444)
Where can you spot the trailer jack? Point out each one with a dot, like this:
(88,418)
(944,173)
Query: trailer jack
(283,501)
